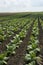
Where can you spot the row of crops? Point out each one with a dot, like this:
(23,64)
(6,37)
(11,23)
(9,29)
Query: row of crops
(12,34)
(33,56)
(41,23)
(10,28)
(33,50)
(7,29)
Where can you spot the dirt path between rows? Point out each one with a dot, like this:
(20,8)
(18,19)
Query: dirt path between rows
(18,58)
(40,41)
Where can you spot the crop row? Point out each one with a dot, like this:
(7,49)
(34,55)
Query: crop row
(14,44)
(33,50)
(9,28)
(41,21)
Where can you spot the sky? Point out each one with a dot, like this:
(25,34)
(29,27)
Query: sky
(21,5)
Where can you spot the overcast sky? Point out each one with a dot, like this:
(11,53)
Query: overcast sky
(21,5)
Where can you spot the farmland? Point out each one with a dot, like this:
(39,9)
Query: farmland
(21,39)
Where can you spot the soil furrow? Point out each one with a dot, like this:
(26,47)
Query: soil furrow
(40,41)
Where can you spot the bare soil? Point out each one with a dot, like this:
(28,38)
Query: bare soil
(40,41)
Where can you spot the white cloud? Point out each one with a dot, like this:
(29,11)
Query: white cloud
(37,3)
(21,5)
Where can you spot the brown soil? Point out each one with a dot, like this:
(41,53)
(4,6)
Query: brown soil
(18,58)
(40,41)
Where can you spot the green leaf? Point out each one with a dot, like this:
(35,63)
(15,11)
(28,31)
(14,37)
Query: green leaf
(4,62)
(32,54)
(34,45)
(2,56)
(27,57)
(29,47)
